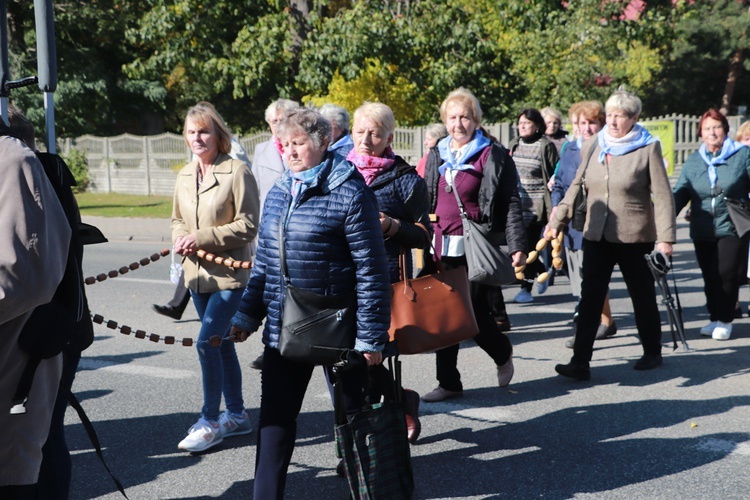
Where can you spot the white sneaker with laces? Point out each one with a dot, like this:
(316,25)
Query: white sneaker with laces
(201,436)
(722,331)
(233,426)
(523,297)
(708,330)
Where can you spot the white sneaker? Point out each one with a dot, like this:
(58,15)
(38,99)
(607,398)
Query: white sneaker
(523,297)
(233,426)
(722,331)
(201,436)
(709,328)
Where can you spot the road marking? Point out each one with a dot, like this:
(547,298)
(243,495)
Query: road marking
(131,369)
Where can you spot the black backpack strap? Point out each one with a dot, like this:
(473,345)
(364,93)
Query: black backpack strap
(93,438)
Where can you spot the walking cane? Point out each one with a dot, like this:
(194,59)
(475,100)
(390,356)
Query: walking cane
(659,265)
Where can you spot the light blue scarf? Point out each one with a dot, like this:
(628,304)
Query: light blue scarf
(637,138)
(300,182)
(476,144)
(727,149)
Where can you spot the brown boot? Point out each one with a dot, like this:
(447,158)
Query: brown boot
(411,411)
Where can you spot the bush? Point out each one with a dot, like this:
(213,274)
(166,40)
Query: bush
(79,166)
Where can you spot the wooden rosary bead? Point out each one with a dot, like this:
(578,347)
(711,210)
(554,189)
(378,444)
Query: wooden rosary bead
(165,251)
(101,277)
(215,341)
(98,319)
(153,337)
(112,324)
(125,329)
(169,340)
(134,266)
(155,257)
(187,342)
(113,274)
(140,334)
(145,261)
(124,270)
(90,280)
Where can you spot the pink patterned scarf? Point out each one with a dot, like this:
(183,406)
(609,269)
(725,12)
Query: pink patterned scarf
(372,166)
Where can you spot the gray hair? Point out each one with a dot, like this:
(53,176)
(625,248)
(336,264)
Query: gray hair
(436,130)
(624,101)
(311,122)
(280,104)
(336,114)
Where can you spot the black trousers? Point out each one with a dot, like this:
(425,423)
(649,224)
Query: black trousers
(490,338)
(720,261)
(599,259)
(283,387)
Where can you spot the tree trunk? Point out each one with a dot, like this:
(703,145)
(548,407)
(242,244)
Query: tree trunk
(735,68)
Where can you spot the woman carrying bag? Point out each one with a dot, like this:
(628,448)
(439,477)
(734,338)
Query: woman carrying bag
(486,181)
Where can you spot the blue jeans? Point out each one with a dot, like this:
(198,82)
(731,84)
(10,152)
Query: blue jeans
(219,364)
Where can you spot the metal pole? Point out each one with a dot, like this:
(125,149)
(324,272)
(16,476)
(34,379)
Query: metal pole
(46,64)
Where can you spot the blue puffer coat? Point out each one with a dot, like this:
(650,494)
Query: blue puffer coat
(334,245)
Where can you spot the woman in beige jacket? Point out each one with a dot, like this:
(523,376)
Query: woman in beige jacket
(215,209)
(624,173)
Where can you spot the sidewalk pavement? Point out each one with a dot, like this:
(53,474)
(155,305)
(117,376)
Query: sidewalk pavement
(132,229)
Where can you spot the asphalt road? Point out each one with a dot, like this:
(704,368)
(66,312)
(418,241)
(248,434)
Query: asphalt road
(678,432)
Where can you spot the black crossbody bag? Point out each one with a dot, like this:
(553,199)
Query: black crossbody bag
(316,329)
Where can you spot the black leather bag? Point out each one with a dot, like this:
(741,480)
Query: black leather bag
(579,209)
(739,212)
(578,221)
(317,329)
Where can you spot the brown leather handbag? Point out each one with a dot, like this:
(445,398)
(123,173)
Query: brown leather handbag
(431,312)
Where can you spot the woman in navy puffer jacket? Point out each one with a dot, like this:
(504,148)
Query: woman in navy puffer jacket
(334,245)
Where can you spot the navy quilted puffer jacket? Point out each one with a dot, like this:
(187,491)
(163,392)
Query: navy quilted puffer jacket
(334,245)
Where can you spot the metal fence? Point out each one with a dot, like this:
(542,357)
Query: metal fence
(148,165)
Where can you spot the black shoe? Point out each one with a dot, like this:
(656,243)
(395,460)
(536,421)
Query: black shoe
(606,331)
(257,363)
(168,311)
(340,469)
(648,362)
(504,326)
(574,370)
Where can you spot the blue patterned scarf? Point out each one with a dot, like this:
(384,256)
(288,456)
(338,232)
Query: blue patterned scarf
(727,149)
(476,144)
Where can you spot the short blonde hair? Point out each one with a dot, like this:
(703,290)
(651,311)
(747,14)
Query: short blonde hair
(205,115)
(553,113)
(436,130)
(379,113)
(469,101)
(743,132)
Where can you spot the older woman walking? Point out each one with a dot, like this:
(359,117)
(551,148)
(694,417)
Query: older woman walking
(625,174)
(333,241)
(485,178)
(215,209)
(719,170)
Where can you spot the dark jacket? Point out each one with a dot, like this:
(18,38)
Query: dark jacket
(334,245)
(499,203)
(709,216)
(402,194)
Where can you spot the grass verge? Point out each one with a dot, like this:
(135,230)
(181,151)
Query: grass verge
(124,205)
